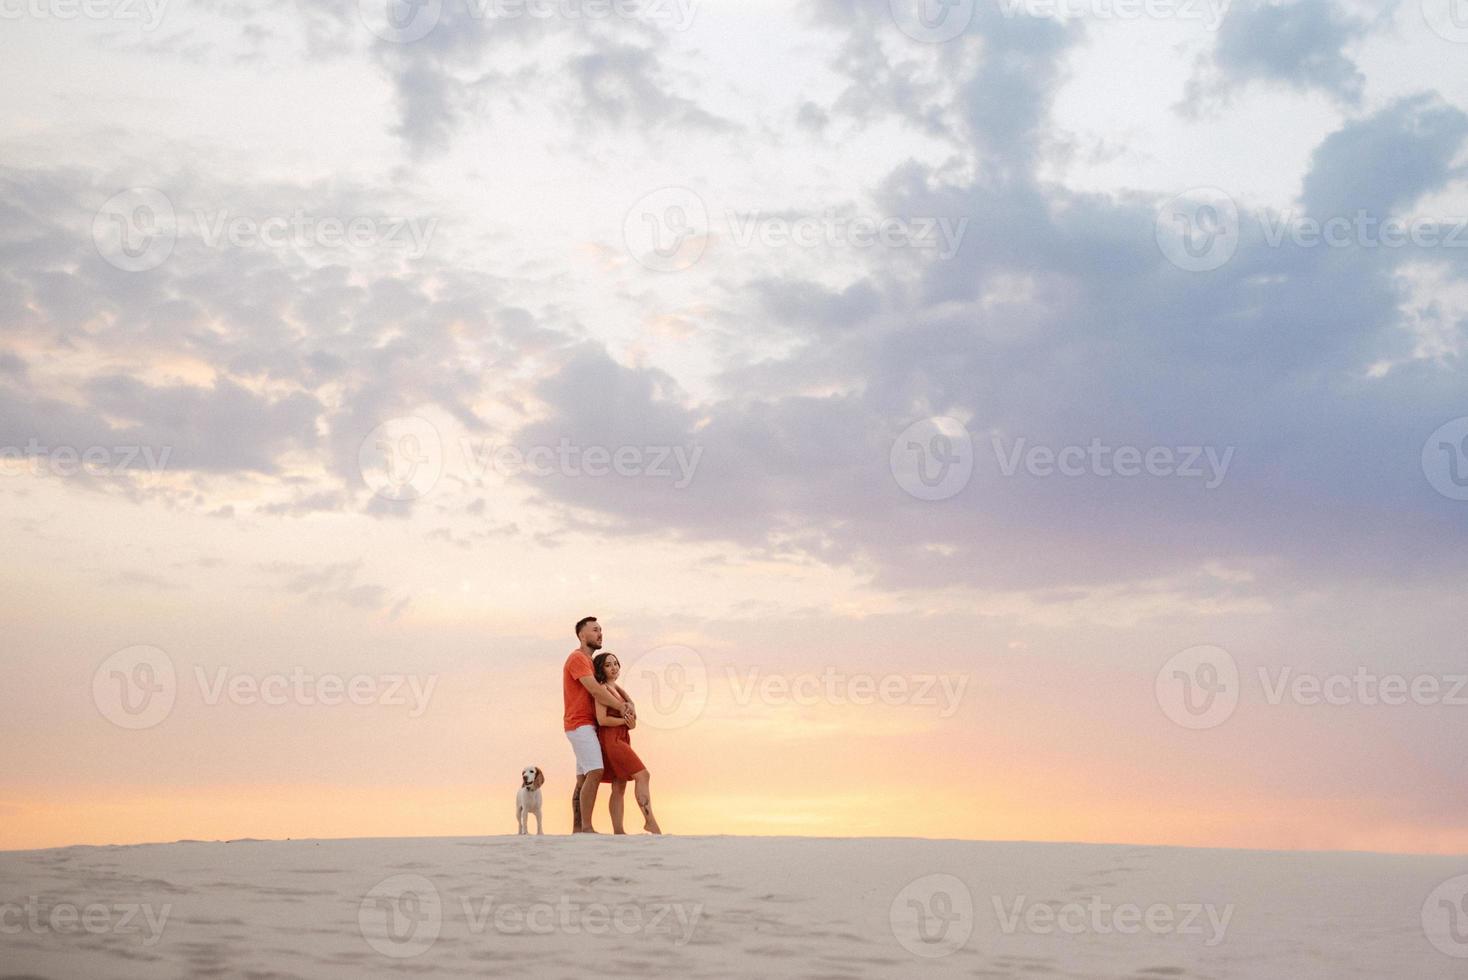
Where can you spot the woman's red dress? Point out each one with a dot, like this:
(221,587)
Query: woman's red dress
(616,750)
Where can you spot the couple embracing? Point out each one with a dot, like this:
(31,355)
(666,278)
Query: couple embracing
(599,721)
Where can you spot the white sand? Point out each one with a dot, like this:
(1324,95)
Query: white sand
(721,906)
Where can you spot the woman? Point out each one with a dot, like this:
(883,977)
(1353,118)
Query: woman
(621,763)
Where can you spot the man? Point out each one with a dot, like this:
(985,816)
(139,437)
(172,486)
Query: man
(581,692)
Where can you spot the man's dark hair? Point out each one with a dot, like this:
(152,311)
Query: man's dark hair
(582,622)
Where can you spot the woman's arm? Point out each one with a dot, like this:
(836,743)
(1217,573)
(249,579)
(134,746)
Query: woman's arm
(604,717)
(629,712)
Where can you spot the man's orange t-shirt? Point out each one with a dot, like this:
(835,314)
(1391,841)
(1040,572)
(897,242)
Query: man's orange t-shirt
(580,705)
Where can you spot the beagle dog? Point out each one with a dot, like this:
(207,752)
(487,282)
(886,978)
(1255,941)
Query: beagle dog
(527,800)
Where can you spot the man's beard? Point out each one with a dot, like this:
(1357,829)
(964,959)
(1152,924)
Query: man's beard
(594,644)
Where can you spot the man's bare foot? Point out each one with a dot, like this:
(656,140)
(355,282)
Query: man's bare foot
(583,830)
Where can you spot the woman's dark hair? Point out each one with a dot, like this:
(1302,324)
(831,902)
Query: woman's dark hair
(599,666)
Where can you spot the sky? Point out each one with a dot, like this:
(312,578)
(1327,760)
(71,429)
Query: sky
(993,419)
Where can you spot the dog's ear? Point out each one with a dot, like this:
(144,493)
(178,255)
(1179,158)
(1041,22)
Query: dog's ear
(539,778)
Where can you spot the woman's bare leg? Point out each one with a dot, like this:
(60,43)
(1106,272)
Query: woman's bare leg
(619,787)
(644,800)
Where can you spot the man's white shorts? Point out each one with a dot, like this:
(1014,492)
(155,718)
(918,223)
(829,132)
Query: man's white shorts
(588,749)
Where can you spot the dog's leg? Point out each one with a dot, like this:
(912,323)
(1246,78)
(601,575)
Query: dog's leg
(520,819)
(539,832)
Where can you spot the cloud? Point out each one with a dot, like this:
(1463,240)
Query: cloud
(1388,160)
(1300,44)
(335,582)
(594,73)
(1060,323)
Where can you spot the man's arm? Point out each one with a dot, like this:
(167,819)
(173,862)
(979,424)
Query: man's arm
(599,691)
(604,717)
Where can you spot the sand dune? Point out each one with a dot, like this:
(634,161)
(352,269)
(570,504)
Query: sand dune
(725,907)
